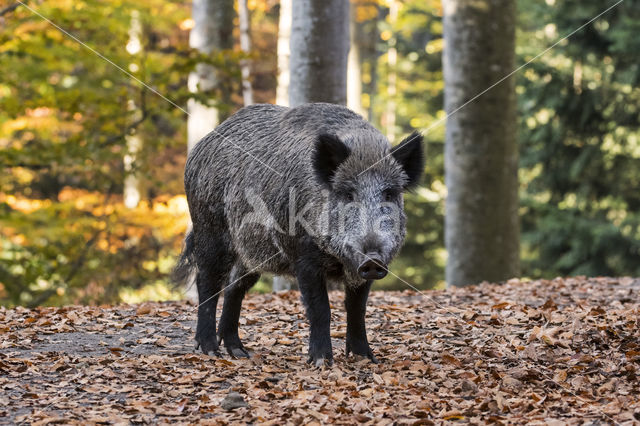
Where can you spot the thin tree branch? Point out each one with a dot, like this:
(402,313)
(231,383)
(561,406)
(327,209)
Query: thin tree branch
(126,131)
(132,126)
(80,260)
(28,166)
(9,8)
(41,298)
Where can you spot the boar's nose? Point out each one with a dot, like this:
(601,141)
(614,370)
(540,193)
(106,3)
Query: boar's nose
(372,268)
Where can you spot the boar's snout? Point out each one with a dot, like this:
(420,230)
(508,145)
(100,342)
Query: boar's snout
(372,268)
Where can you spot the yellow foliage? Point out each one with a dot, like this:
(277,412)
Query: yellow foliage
(41,119)
(11,126)
(257,5)
(24,205)
(166,217)
(157,291)
(434,46)
(103,245)
(30,27)
(187,24)
(18,239)
(365,10)
(39,112)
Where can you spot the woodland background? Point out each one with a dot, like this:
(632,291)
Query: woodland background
(76,134)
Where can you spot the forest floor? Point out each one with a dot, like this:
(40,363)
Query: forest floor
(561,351)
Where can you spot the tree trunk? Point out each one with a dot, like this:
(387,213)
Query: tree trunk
(284,40)
(319,50)
(281,283)
(372,56)
(132,186)
(318,59)
(392,61)
(245,46)
(481,155)
(213,30)
(354,66)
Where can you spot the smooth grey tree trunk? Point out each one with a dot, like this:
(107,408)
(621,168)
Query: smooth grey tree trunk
(245,45)
(371,56)
(213,30)
(354,66)
(284,41)
(132,192)
(281,283)
(319,50)
(392,76)
(481,156)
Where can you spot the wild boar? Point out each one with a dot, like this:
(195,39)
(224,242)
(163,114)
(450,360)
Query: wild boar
(314,192)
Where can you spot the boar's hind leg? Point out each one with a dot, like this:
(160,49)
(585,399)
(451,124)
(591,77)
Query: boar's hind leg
(313,288)
(214,264)
(241,281)
(356,306)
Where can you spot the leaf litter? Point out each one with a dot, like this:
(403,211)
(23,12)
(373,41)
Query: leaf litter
(565,351)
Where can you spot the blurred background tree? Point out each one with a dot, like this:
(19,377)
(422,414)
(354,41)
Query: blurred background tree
(482,229)
(580,139)
(66,236)
(65,116)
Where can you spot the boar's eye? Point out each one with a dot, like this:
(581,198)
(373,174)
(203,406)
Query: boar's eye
(346,195)
(389,195)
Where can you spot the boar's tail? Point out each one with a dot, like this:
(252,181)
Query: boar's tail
(186,266)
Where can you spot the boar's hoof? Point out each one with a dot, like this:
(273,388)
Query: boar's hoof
(320,355)
(233,344)
(361,352)
(238,352)
(370,357)
(208,348)
(320,361)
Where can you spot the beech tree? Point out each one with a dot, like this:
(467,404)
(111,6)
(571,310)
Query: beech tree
(354,65)
(245,45)
(319,50)
(212,30)
(132,183)
(319,47)
(481,155)
(283,51)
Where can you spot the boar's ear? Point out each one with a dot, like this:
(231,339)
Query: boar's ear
(410,155)
(329,153)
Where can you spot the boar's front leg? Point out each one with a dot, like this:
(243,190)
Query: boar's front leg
(356,306)
(313,288)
